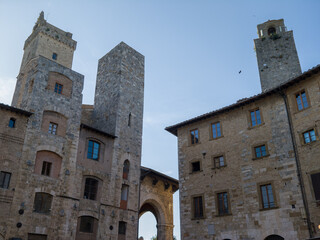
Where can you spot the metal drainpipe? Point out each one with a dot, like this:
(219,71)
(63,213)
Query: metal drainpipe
(296,155)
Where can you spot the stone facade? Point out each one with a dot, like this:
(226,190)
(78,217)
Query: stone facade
(75,171)
(245,170)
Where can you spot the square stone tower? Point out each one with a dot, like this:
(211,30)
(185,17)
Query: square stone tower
(276,54)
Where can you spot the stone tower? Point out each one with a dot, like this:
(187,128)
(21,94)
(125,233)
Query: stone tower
(50,42)
(276,54)
(48,88)
(118,110)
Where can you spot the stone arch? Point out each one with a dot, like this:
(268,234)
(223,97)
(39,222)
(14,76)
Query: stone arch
(274,237)
(59,120)
(156,196)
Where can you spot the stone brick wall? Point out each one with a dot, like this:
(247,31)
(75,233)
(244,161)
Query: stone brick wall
(309,154)
(11,143)
(242,176)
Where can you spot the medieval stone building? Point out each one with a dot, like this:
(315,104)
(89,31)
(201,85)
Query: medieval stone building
(251,170)
(73,171)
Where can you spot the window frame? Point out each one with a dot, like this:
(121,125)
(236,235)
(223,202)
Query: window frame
(45,166)
(250,118)
(214,161)
(254,155)
(296,102)
(88,191)
(124,202)
(43,209)
(220,214)
(58,88)
(314,129)
(190,137)
(2,184)
(211,130)
(52,130)
(261,203)
(94,141)
(194,217)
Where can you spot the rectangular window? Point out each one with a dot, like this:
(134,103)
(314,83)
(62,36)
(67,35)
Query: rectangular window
(194,134)
(223,207)
(122,228)
(302,101)
(218,162)
(260,151)
(195,166)
(216,130)
(12,122)
(90,189)
(309,136)
(86,224)
(54,56)
(58,88)
(5,179)
(255,117)
(93,150)
(124,196)
(267,196)
(42,202)
(53,128)
(46,168)
(315,178)
(197,207)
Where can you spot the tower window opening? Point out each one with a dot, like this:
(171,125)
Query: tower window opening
(12,123)
(54,56)
(261,33)
(271,31)
(58,88)
(129,120)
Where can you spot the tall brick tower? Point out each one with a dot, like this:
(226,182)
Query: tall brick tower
(52,92)
(118,109)
(276,54)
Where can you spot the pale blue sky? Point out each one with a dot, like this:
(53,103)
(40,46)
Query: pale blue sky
(193,52)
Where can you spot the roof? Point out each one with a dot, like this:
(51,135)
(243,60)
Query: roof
(148,171)
(96,130)
(16,110)
(174,128)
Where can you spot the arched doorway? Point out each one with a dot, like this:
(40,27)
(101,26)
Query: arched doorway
(274,237)
(156,196)
(148,222)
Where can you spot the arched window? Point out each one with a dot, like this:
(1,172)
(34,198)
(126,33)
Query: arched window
(126,168)
(42,202)
(90,189)
(86,224)
(271,30)
(48,164)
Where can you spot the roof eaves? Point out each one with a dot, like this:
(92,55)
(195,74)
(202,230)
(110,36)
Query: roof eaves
(174,128)
(16,110)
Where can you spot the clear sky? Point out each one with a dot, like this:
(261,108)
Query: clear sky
(193,52)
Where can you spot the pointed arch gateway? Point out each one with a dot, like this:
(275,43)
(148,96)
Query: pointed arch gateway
(156,196)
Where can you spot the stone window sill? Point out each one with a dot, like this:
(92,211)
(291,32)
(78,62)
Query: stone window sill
(212,139)
(257,158)
(266,209)
(256,126)
(224,215)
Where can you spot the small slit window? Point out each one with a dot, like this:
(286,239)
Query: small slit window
(12,122)
(195,166)
(54,56)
